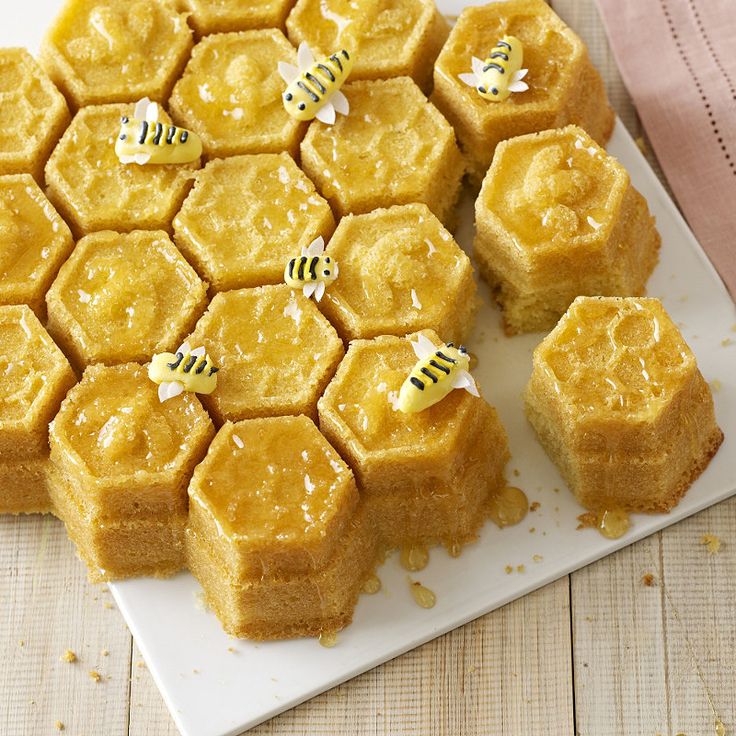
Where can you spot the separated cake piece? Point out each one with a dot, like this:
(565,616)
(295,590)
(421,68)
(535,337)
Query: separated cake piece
(101,309)
(393,148)
(620,406)
(388,38)
(261,209)
(563,86)
(219,16)
(400,271)
(109,51)
(94,191)
(277,535)
(558,218)
(34,242)
(230,94)
(426,475)
(36,376)
(121,463)
(275,350)
(33,114)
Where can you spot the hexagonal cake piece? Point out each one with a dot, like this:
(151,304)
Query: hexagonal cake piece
(230,94)
(277,535)
(122,461)
(261,211)
(425,476)
(101,51)
(36,376)
(618,403)
(102,311)
(34,242)
(564,87)
(33,114)
(387,38)
(393,148)
(275,350)
(94,191)
(220,16)
(400,271)
(558,218)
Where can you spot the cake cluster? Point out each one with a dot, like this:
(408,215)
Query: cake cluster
(232,307)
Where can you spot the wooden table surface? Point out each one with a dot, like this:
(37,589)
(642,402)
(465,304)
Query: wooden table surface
(597,653)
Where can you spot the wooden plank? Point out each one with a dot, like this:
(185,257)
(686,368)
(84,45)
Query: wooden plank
(148,713)
(48,607)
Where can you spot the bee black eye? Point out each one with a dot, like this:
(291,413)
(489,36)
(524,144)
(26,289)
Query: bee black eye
(326,272)
(122,136)
(482,89)
(450,344)
(327,260)
(494,90)
(288,97)
(462,350)
(301,106)
(124,120)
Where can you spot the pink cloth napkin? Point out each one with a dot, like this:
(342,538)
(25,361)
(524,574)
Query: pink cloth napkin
(678,60)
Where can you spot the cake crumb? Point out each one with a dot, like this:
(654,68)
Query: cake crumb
(21,642)
(648,579)
(95,675)
(532,529)
(508,569)
(537,558)
(520,568)
(534,505)
(716,385)
(588,520)
(711,542)
(641,144)
(105,652)
(726,342)
(195,671)
(232,650)
(140,663)
(59,726)
(516,472)
(107,604)
(69,656)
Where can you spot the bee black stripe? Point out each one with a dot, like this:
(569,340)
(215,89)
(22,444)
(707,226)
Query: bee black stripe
(171,133)
(144,132)
(292,263)
(157,135)
(326,70)
(175,364)
(345,54)
(316,82)
(499,55)
(300,270)
(497,67)
(313,268)
(439,366)
(190,363)
(337,61)
(183,137)
(213,370)
(429,374)
(503,44)
(311,94)
(416,382)
(201,366)
(440,354)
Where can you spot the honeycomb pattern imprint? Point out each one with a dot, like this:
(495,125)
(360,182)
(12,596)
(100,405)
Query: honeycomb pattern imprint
(101,311)
(94,191)
(557,218)
(261,211)
(620,406)
(392,262)
(34,242)
(386,38)
(394,148)
(221,16)
(33,114)
(230,94)
(564,87)
(102,51)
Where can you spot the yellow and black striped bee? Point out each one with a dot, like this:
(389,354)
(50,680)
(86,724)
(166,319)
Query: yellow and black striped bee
(439,370)
(313,89)
(311,271)
(146,140)
(501,73)
(185,370)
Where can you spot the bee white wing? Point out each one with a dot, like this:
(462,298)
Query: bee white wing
(316,247)
(141,109)
(319,292)
(516,84)
(336,270)
(197,352)
(469,78)
(152,112)
(309,288)
(184,348)
(326,114)
(477,66)
(340,103)
(288,72)
(423,347)
(304,56)
(463,379)
(136,158)
(168,389)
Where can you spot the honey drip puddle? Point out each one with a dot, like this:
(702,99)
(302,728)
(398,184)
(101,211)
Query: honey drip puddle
(414,557)
(328,639)
(371,585)
(423,597)
(611,523)
(508,506)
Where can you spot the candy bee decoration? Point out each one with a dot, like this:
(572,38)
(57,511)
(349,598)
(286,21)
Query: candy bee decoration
(311,272)
(313,89)
(185,370)
(501,73)
(439,370)
(146,140)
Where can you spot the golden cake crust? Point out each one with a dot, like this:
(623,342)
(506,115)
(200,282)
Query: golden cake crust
(222,16)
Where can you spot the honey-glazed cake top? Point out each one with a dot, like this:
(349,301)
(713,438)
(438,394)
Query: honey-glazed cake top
(230,93)
(123,296)
(551,54)
(553,190)
(33,113)
(34,241)
(400,269)
(35,375)
(260,210)
(220,16)
(392,145)
(112,428)
(273,480)
(613,357)
(275,351)
(95,191)
(109,51)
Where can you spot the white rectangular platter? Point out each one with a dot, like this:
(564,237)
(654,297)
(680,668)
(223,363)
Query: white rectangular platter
(234,690)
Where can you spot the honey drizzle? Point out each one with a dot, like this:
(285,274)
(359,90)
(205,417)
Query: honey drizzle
(508,506)
(611,523)
(328,639)
(414,557)
(371,585)
(423,596)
